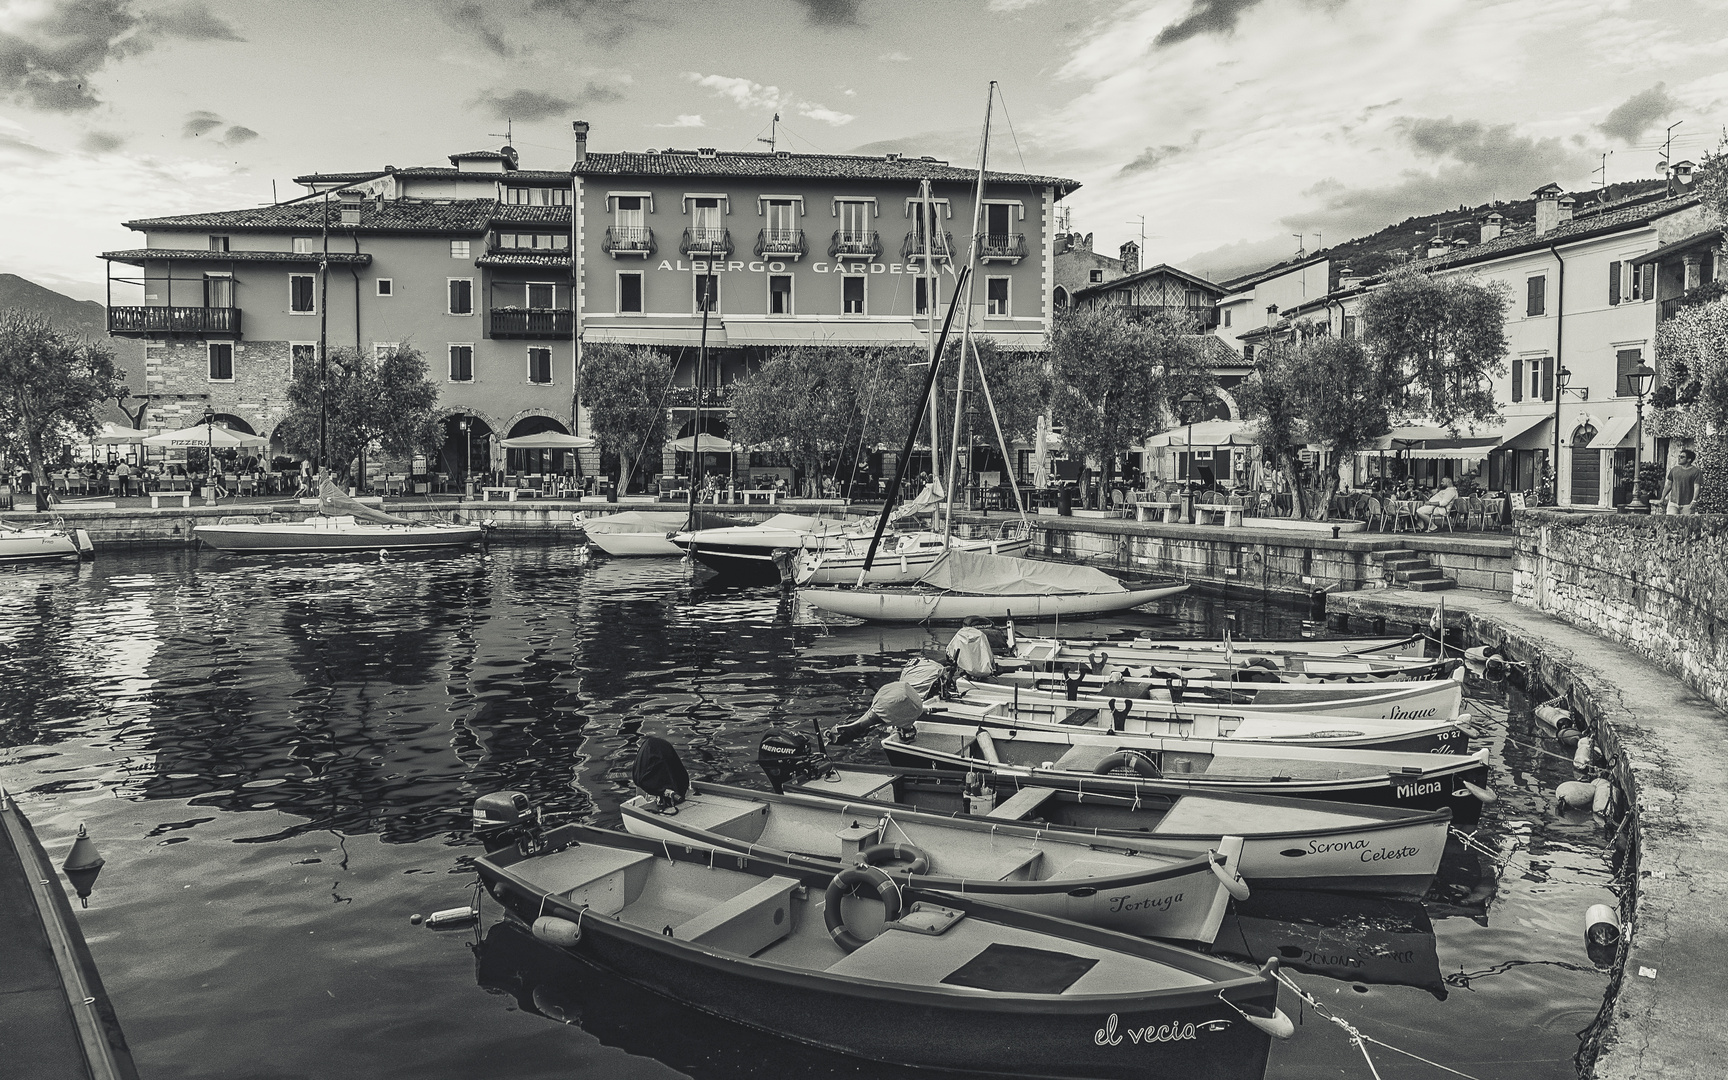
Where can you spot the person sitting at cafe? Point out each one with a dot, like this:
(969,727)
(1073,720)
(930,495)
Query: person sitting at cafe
(1438,505)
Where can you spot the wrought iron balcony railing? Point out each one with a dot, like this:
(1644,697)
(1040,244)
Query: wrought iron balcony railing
(1010,247)
(784,242)
(865,244)
(532,323)
(917,246)
(706,240)
(684,397)
(155,319)
(629,240)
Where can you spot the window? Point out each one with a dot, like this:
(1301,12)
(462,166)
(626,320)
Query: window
(1535,296)
(221,361)
(630,293)
(996,297)
(1614,282)
(1349,326)
(461,363)
(521,196)
(459,249)
(535,241)
(539,365)
(921,291)
(782,216)
(303,353)
(854,221)
(382,349)
(556,196)
(705,293)
(1248,354)
(218,243)
(852,294)
(629,212)
(302,245)
(218,290)
(1226,316)
(541,295)
(779,294)
(705,217)
(461,296)
(1096,277)
(1626,361)
(386,287)
(998,219)
(300,294)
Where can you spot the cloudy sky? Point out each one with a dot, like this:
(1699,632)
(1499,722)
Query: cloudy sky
(1228,124)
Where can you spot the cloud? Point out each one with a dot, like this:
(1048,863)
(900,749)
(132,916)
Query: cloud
(531,105)
(1630,119)
(1154,156)
(1204,17)
(831,117)
(748,94)
(236,135)
(831,12)
(19,147)
(471,18)
(101,142)
(199,123)
(951,146)
(1002,7)
(685,120)
(50,49)
(895,57)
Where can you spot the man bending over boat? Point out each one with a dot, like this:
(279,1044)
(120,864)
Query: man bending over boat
(900,704)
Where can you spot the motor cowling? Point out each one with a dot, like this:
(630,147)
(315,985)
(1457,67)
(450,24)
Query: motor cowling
(503,818)
(788,756)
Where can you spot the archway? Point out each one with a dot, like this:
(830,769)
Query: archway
(1586,467)
(1059,299)
(536,462)
(722,466)
(467,446)
(234,423)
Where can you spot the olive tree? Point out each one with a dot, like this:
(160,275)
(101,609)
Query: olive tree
(51,387)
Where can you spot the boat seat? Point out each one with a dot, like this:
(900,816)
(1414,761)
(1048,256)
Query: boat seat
(738,818)
(585,876)
(747,923)
(1022,803)
(1081,717)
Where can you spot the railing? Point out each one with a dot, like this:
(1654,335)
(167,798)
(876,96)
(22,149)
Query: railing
(174,320)
(706,240)
(684,397)
(915,246)
(1669,308)
(1003,246)
(781,242)
(859,245)
(629,240)
(532,323)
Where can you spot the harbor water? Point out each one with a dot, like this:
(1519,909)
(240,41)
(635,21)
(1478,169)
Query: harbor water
(277,756)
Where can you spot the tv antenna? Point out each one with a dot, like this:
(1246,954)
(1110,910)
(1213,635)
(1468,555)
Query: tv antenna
(1300,250)
(1141,221)
(1602,171)
(773,134)
(509,128)
(1668,154)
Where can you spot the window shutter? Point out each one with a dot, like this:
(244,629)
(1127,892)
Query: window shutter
(1646,282)
(1533,295)
(1614,283)
(1548,379)
(1626,361)
(1517,378)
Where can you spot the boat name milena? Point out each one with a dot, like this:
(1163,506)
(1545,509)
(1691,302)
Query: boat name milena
(1425,787)
(1119,904)
(1161,1033)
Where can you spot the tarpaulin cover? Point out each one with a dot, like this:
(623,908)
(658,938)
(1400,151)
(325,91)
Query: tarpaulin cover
(898,704)
(658,768)
(983,574)
(332,503)
(926,500)
(970,649)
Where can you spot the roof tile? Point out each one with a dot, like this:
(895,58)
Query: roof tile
(783,166)
(463,216)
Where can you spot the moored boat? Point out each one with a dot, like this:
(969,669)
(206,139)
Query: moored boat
(902,559)
(754,553)
(1336,696)
(341,524)
(917,979)
(43,543)
(644,532)
(1054,653)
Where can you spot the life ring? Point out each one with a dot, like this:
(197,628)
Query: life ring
(1133,759)
(877,854)
(846,882)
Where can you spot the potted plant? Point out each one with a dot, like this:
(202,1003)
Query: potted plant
(1649,486)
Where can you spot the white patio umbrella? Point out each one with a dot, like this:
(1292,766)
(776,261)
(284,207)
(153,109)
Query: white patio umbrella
(209,436)
(710,444)
(547,440)
(113,434)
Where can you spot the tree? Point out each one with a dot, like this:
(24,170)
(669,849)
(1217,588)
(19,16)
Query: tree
(1692,347)
(50,387)
(1115,378)
(1440,341)
(625,388)
(366,399)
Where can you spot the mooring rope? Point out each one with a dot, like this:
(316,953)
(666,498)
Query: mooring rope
(1358,1038)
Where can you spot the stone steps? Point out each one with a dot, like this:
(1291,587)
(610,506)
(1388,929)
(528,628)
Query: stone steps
(1413,571)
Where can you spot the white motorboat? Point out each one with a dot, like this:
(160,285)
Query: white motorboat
(43,544)
(341,524)
(645,532)
(747,552)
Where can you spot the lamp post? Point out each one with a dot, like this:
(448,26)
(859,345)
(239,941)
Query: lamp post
(209,453)
(1189,403)
(467,454)
(1639,379)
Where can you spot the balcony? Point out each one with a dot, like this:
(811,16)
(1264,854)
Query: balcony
(1002,247)
(707,240)
(192,321)
(781,243)
(855,245)
(916,247)
(629,240)
(684,397)
(554,323)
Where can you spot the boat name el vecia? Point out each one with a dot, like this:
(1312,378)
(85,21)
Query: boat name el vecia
(1106,1035)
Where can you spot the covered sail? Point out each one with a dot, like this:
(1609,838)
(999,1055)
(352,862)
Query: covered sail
(332,503)
(927,500)
(983,574)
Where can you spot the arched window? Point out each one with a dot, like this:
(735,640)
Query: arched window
(1060,299)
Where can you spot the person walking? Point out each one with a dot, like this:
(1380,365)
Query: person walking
(123,478)
(1681,490)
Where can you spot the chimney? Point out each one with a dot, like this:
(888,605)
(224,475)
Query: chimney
(352,198)
(579,128)
(1437,245)
(1348,278)
(1083,243)
(705,151)
(1683,172)
(1547,208)
(1567,202)
(1491,226)
(1130,257)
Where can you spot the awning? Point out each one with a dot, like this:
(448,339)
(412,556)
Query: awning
(1527,433)
(1205,433)
(1613,433)
(656,335)
(837,332)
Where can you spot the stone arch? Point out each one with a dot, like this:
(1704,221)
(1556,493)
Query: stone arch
(509,426)
(234,423)
(1229,401)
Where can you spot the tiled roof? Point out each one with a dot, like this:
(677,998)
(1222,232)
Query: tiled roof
(522,259)
(1709,237)
(1248,281)
(440,172)
(1524,238)
(517,214)
(137,256)
(784,166)
(461,216)
(1142,275)
(480,155)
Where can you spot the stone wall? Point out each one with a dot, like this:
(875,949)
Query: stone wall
(177,376)
(1658,585)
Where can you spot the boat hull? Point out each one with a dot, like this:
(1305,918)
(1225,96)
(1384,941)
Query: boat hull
(889,568)
(919,606)
(634,544)
(37,545)
(1431,699)
(287,537)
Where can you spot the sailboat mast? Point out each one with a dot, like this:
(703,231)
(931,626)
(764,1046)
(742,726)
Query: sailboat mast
(966,330)
(930,320)
(701,362)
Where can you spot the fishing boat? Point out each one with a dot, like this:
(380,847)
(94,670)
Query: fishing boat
(1134,886)
(1054,653)
(902,560)
(1167,724)
(913,978)
(43,543)
(1286,843)
(963,584)
(341,524)
(1339,697)
(1089,761)
(645,532)
(755,553)
(1410,645)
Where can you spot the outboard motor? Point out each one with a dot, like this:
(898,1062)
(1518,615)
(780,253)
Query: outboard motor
(660,774)
(788,756)
(506,818)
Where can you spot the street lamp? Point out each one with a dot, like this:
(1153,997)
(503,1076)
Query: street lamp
(1190,404)
(467,452)
(1639,381)
(209,452)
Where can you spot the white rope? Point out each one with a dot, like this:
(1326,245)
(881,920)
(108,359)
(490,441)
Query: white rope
(1357,1038)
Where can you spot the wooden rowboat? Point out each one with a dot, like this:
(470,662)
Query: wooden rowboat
(1339,697)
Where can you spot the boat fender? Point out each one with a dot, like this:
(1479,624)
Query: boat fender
(877,854)
(1481,794)
(1129,759)
(452,917)
(86,550)
(1072,677)
(1569,735)
(846,882)
(1601,925)
(1119,716)
(986,746)
(1233,883)
(555,931)
(1581,756)
(1554,716)
(1604,799)
(1576,794)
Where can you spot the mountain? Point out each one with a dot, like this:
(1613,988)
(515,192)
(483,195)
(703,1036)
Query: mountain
(84,317)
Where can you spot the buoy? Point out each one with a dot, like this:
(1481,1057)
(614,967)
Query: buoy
(1601,925)
(449,917)
(1554,716)
(1604,794)
(1233,883)
(1477,654)
(416,919)
(986,746)
(83,863)
(1569,736)
(1576,794)
(555,931)
(1581,756)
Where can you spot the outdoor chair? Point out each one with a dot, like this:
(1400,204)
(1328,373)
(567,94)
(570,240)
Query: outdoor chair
(1374,513)
(1492,511)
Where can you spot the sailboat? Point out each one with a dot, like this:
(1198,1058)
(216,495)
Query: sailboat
(43,543)
(341,524)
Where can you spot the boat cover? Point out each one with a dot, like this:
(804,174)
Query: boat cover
(658,521)
(659,770)
(926,501)
(332,503)
(983,574)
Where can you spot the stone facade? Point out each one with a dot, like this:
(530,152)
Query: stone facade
(1658,585)
(177,377)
